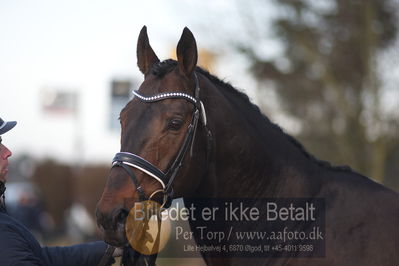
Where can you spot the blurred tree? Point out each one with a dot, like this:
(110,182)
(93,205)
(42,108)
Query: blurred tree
(56,187)
(330,76)
(62,185)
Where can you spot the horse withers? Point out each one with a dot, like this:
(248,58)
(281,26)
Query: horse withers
(188,134)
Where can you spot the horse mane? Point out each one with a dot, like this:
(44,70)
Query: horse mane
(162,68)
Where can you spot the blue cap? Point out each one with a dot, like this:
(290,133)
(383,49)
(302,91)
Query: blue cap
(6,126)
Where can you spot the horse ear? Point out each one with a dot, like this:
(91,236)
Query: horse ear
(187,54)
(146,57)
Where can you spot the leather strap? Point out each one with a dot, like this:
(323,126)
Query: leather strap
(141,164)
(105,260)
(139,189)
(2,188)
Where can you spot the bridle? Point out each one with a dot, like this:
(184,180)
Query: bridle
(126,160)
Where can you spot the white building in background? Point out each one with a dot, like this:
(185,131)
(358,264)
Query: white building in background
(78,48)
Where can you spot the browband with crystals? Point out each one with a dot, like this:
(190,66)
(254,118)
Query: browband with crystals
(163,96)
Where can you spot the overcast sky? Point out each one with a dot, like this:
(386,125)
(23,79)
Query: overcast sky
(80,46)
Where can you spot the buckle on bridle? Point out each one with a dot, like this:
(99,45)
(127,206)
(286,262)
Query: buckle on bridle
(165,196)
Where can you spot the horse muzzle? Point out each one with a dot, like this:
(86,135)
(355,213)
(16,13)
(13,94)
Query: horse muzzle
(112,226)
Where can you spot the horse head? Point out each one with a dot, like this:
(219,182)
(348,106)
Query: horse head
(161,139)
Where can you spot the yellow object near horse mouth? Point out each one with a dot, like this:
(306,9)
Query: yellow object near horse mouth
(143,228)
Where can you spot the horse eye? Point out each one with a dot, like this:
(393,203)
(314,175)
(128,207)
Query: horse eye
(175,124)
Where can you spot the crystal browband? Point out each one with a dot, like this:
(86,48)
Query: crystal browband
(163,96)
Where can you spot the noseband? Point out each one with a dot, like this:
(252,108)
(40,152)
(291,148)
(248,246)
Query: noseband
(127,159)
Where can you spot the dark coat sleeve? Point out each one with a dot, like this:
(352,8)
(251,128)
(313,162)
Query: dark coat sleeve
(76,255)
(18,247)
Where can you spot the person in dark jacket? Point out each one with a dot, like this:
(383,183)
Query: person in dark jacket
(19,247)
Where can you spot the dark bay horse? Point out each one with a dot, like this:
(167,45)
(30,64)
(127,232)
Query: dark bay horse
(187,133)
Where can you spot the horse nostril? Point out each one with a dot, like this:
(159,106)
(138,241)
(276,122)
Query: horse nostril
(111,221)
(122,215)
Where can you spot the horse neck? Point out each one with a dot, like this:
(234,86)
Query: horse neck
(252,156)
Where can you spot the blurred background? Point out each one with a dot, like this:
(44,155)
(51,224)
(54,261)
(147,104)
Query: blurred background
(326,71)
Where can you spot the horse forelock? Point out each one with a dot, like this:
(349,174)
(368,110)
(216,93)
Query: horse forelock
(160,69)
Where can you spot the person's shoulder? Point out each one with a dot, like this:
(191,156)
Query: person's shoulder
(10,226)
(8,221)
(17,245)
(14,234)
